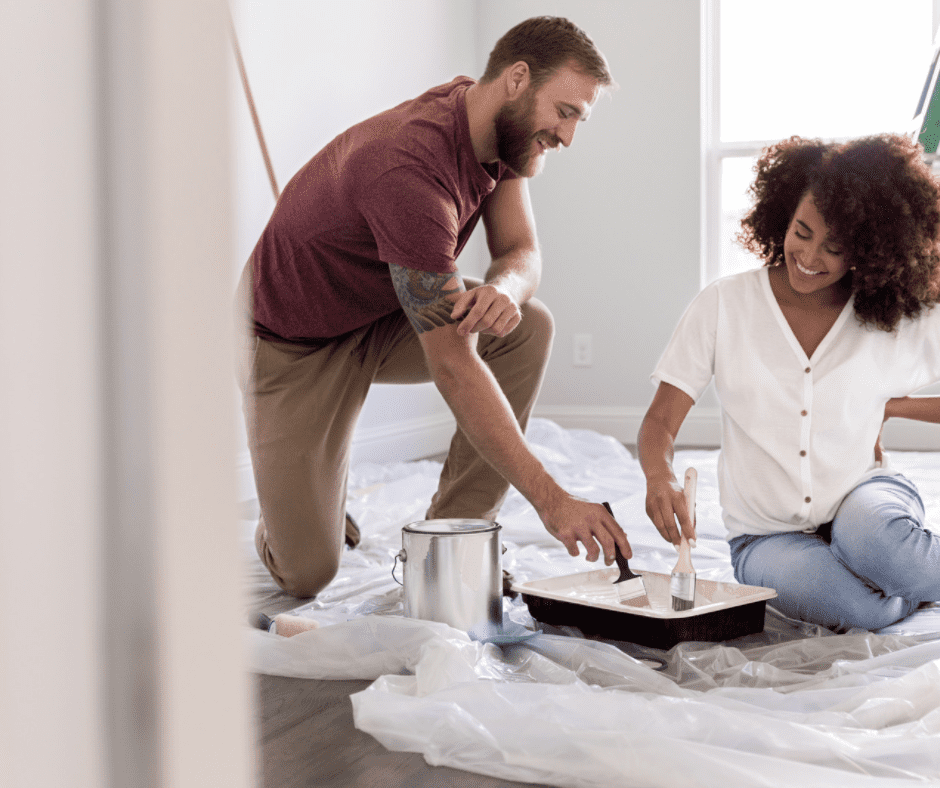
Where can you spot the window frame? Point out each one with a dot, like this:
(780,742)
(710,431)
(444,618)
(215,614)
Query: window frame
(714,151)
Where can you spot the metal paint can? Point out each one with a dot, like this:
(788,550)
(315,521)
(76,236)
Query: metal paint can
(453,572)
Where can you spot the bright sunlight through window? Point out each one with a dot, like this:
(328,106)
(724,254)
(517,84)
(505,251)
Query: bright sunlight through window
(833,69)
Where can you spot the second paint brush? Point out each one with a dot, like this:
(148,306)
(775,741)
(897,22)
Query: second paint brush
(682,581)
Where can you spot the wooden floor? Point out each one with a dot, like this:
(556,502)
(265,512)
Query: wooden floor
(307,738)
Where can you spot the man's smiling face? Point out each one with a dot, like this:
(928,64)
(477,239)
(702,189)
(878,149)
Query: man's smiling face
(542,119)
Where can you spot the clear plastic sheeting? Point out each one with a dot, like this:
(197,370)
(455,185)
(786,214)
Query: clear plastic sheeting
(792,705)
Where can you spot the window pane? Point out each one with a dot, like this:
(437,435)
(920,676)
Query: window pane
(736,176)
(821,68)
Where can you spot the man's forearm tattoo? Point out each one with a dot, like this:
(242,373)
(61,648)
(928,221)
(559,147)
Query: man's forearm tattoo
(423,296)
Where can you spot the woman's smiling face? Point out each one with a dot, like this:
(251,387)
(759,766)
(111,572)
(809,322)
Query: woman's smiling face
(815,262)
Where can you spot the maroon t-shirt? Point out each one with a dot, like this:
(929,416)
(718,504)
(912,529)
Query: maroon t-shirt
(402,187)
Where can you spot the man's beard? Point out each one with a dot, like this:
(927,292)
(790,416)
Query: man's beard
(514,138)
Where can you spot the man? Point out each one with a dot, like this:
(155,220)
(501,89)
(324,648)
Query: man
(354,281)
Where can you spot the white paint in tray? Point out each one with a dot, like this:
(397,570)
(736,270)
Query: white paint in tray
(596,589)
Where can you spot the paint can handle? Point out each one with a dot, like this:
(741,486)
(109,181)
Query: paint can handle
(404,557)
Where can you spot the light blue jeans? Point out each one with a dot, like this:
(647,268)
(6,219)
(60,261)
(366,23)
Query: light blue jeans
(872,566)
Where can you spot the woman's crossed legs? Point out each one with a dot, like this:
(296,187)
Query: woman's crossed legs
(871,567)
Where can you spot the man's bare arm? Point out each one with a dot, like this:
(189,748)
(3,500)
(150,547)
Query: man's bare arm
(427,298)
(486,418)
(516,268)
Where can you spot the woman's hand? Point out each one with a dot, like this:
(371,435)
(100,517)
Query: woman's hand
(665,501)
(879,449)
(893,409)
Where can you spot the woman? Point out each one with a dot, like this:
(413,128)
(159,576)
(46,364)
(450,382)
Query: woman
(810,354)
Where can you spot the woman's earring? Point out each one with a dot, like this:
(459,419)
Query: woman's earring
(852,268)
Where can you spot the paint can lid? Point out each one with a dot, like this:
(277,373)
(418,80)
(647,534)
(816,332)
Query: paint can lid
(452,526)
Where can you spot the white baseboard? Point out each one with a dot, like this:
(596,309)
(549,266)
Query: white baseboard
(415,438)
(904,435)
(702,427)
(400,441)
(403,441)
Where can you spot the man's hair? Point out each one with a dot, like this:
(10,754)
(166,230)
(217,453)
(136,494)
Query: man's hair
(546,43)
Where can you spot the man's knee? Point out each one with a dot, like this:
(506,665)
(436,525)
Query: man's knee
(527,348)
(300,572)
(306,579)
(531,341)
(539,320)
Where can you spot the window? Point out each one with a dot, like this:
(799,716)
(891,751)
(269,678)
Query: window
(834,69)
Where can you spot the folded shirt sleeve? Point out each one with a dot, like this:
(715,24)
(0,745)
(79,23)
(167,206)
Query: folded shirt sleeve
(688,363)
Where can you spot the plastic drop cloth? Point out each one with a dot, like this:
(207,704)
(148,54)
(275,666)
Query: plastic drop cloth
(793,705)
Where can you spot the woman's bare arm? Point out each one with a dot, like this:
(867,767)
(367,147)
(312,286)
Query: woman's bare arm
(665,500)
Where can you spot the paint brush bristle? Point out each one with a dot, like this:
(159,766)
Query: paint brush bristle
(629,585)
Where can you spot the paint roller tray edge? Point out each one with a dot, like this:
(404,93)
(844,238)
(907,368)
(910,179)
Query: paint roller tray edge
(588,601)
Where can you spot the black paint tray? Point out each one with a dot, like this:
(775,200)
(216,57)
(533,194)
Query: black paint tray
(589,601)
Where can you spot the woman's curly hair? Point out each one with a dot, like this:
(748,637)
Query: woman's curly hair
(881,204)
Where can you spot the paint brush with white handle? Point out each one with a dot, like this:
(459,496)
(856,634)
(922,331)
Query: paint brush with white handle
(682,581)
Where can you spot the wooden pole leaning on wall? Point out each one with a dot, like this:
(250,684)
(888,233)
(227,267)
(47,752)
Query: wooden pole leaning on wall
(251,108)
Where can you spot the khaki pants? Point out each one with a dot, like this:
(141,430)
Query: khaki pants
(301,408)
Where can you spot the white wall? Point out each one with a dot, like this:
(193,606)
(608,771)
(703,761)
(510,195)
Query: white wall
(618,212)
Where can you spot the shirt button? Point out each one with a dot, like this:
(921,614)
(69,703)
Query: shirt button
(807,499)
(804,413)
(807,369)
(803,453)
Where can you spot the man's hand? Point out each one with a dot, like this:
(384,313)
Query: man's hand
(481,408)
(487,309)
(573,520)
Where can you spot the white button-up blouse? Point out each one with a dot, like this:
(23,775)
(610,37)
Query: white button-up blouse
(797,433)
